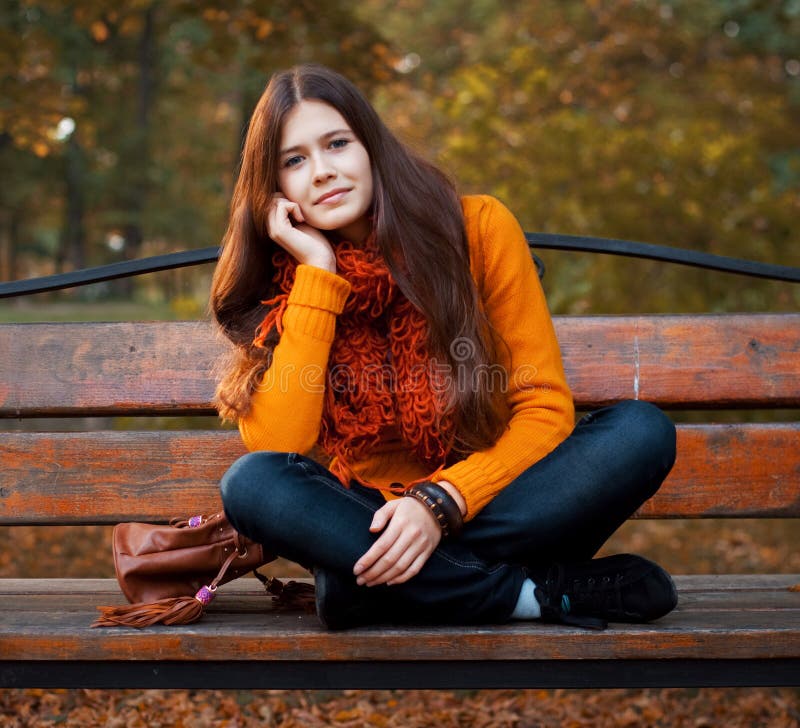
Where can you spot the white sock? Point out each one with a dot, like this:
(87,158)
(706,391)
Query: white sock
(527,606)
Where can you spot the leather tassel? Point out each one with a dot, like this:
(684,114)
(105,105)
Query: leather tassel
(175,610)
(172,610)
(291,596)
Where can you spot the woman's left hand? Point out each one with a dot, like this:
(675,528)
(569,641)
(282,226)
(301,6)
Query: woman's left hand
(410,538)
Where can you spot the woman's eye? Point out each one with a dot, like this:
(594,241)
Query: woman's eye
(292,161)
(339,143)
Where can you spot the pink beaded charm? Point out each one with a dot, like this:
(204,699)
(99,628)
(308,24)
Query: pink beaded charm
(205,596)
(195,521)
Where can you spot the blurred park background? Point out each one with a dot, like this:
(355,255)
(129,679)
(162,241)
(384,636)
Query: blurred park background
(669,122)
(664,121)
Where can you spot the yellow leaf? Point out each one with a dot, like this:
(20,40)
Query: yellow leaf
(99,31)
(264,29)
(343,715)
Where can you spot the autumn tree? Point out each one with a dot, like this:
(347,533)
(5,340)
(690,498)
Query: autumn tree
(136,112)
(672,123)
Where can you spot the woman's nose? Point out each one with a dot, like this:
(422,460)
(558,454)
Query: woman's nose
(323,170)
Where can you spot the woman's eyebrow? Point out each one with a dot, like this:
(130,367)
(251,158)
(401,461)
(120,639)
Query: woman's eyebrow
(326,135)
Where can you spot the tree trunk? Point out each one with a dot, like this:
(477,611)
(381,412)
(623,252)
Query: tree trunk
(134,230)
(72,250)
(9,232)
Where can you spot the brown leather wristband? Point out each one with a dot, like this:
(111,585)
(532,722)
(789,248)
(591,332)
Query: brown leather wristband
(443,505)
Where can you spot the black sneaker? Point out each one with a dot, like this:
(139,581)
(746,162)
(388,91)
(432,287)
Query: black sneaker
(343,604)
(620,588)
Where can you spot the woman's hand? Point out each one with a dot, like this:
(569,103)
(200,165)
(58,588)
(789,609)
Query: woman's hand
(402,550)
(307,244)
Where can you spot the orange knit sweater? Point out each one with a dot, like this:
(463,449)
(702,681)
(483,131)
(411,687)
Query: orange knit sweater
(286,408)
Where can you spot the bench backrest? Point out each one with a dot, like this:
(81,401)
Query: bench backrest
(697,362)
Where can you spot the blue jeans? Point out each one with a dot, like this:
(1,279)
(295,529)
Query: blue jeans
(562,508)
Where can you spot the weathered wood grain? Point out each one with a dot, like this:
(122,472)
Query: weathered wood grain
(85,369)
(727,360)
(741,470)
(696,361)
(706,584)
(758,592)
(736,627)
(144,476)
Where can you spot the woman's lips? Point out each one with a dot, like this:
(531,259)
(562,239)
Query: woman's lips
(332,197)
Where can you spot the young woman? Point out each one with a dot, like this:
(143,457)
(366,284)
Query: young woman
(403,331)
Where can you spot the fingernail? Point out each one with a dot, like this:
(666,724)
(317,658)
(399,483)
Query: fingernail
(358,569)
(360,580)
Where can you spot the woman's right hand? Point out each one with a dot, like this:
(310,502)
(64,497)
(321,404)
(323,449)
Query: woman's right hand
(307,244)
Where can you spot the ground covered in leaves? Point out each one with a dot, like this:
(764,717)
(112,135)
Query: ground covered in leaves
(401,708)
(682,547)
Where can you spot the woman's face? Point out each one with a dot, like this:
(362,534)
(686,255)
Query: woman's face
(324,168)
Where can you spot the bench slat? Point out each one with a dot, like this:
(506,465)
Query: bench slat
(698,361)
(739,627)
(246,596)
(246,587)
(684,362)
(146,476)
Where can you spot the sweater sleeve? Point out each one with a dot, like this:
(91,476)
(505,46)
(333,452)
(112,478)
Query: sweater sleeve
(540,402)
(286,408)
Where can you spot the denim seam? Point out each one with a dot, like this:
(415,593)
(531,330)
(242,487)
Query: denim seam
(480,565)
(345,491)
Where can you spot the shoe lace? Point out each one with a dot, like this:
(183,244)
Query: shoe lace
(607,598)
(558,604)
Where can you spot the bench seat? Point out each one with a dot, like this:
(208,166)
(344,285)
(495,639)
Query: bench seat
(727,630)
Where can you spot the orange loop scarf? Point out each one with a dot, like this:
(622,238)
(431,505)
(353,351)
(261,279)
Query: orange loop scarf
(379,370)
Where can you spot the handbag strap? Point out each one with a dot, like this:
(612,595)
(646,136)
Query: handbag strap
(207,593)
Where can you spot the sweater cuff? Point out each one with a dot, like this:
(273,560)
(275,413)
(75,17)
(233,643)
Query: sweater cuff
(479,478)
(317,296)
(319,288)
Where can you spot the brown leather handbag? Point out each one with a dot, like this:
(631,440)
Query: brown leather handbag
(171,573)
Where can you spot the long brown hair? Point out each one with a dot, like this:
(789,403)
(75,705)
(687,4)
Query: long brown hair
(419,229)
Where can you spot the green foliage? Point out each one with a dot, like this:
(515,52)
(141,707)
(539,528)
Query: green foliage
(665,122)
(159,94)
(634,120)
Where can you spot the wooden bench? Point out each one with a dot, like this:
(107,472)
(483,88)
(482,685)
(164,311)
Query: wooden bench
(727,630)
